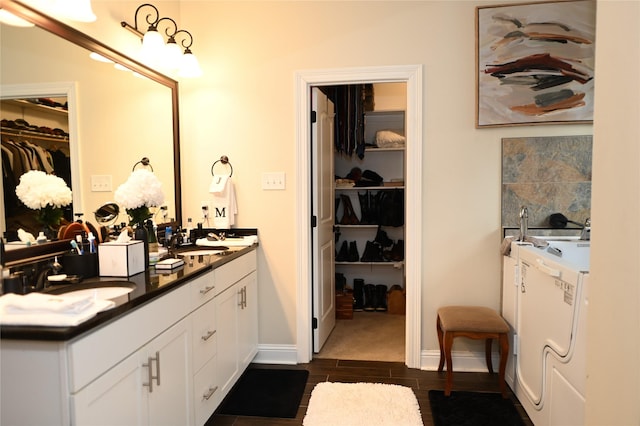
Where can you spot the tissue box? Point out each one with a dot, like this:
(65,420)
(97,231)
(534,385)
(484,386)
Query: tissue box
(121,259)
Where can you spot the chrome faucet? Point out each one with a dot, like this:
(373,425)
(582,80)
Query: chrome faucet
(524,222)
(585,235)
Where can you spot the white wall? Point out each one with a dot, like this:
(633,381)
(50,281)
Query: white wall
(613,384)
(244,108)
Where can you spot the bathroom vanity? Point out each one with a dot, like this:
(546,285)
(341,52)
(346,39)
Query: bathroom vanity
(167,355)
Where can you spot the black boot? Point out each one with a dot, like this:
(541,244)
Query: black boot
(358,294)
(343,254)
(381,298)
(369,297)
(353,252)
(365,212)
(372,253)
(382,238)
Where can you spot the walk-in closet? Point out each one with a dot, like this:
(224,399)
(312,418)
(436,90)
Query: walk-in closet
(369,158)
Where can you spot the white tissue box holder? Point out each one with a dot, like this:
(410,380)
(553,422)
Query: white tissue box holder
(117,259)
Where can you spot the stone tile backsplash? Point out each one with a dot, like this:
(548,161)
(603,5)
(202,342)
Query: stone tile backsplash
(548,175)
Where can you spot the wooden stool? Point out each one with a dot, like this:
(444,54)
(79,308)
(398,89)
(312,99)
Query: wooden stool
(474,322)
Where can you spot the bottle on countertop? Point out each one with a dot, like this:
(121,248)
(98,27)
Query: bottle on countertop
(187,231)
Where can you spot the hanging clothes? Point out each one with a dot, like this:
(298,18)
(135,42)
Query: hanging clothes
(351,102)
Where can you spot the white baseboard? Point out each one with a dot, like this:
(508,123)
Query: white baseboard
(462,361)
(277,354)
(429,360)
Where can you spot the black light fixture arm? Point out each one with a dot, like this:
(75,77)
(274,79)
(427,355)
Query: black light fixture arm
(186,46)
(153,23)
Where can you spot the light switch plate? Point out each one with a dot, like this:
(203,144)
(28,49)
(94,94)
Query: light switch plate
(101,183)
(273,180)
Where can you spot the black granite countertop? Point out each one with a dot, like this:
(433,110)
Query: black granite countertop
(150,285)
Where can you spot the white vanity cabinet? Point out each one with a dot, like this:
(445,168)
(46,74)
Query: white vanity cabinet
(169,362)
(150,387)
(236,308)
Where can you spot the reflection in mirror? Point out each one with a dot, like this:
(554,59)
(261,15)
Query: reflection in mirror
(35,136)
(107,214)
(117,118)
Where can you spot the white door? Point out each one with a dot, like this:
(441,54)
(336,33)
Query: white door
(322,208)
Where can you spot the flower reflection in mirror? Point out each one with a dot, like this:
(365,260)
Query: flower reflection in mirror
(141,191)
(46,194)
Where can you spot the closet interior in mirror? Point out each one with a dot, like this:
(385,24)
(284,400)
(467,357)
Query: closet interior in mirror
(35,136)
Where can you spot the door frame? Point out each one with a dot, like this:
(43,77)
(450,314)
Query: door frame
(304,80)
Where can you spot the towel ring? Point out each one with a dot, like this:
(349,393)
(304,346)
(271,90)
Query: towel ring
(224,160)
(145,162)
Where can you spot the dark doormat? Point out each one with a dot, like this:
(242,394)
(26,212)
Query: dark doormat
(266,393)
(473,409)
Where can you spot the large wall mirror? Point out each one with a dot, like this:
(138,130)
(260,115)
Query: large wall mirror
(115,117)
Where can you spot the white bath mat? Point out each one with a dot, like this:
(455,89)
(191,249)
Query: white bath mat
(366,404)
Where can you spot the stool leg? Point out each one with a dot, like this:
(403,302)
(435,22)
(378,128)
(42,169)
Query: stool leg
(487,354)
(440,343)
(504,354)
(448,343)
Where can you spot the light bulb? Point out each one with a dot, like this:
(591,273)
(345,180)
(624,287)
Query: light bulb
(189,66)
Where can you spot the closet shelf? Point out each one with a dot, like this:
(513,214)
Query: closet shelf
(7,131)
(36,106)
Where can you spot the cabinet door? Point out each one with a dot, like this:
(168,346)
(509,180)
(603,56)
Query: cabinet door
(227,304)
(170,397)
(116,398)
(248,320)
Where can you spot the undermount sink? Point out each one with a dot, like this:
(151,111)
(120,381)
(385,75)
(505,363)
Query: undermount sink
(102,293)
(104,290)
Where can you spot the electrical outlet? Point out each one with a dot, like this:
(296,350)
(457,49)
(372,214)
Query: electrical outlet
(273,180)
(205,209)
(101,183)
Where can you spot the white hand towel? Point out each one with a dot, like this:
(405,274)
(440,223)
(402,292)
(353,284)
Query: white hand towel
(224,207)
(47,317)
(218,184)
(45,303)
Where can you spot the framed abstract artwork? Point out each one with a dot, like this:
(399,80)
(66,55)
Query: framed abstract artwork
(535,63)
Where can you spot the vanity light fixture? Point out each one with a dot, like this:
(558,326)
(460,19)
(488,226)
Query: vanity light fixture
(169,56)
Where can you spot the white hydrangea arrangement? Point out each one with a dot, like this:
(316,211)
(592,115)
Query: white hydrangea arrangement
(141,191)
(46,194)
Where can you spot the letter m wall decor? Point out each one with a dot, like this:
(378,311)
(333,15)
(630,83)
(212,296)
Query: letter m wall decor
(535,63)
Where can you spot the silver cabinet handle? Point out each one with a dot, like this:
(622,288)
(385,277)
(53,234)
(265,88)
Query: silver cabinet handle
(208,335)
(150,374)
(241,293)
(157,368)
(210,393)
(207,289)
(149,364)
(244,290)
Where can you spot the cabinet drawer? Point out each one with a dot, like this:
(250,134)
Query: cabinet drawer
(234,271)
(202,289)
(204,339)
(206,392)
(95,353)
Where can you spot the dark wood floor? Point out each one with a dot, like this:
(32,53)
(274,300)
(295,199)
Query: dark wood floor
(421,382)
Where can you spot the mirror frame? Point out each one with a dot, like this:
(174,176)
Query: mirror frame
(92,45)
